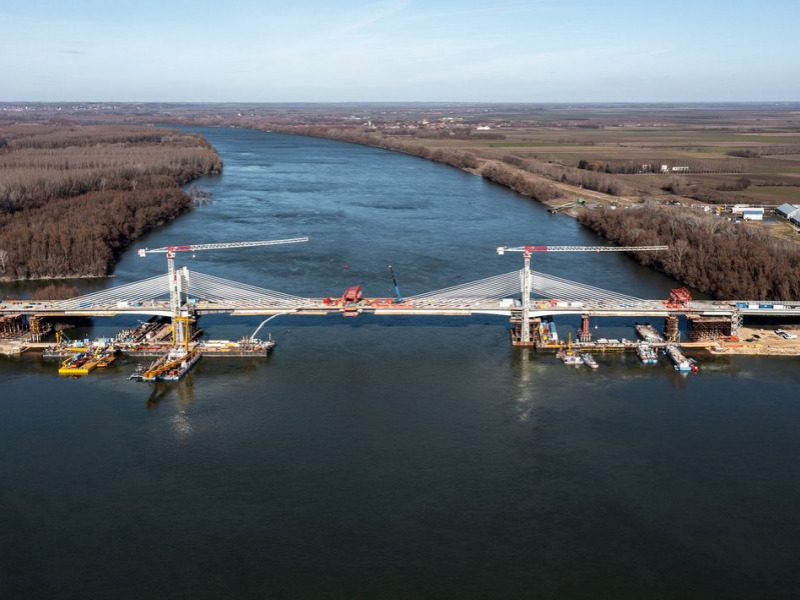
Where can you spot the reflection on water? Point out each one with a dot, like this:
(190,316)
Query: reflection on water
(181,425)
(183,390)
(524,365)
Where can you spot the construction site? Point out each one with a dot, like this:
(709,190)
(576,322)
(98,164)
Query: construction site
(530,299)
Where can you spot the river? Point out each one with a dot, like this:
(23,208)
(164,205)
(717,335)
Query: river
(394,457)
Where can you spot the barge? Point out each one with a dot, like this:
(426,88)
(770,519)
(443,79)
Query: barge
(648,333)
(170,367)
(680,362)
(81,363)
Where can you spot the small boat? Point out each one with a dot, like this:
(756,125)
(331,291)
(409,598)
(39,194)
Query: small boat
(567,356)
(646,353)
(138,373)
(589,360)
(569,359)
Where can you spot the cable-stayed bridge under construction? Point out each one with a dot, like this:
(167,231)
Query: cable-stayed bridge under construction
(523,295)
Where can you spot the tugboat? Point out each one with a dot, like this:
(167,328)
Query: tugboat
(589,360)
(646,353)
(567,356)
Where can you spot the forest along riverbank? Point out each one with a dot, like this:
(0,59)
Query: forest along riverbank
(73,196)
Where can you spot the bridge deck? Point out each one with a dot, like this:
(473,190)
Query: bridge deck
(206,294)
(386,306)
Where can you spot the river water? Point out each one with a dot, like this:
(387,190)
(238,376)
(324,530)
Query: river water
(394,457)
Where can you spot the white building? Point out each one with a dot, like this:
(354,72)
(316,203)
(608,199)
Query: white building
(753,214)
(787,211)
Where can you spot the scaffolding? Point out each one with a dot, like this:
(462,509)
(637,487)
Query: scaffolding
(708,328)
(671,331)
(39,327)
(534,338)
(13,326)
(585,333)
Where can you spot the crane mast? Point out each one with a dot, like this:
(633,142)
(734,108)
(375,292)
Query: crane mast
(525,327)
(178,319)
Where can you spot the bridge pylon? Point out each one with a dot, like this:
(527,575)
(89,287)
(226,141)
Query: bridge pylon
(525,328)
(179,279)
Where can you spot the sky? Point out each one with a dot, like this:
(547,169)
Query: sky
(399,51)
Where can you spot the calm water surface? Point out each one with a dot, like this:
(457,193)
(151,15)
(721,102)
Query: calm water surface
(394,457)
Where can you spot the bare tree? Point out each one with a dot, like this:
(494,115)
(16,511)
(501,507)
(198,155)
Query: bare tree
(679,249)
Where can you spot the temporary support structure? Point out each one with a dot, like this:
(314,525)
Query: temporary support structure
(708,328)
(585,333)
(671,331)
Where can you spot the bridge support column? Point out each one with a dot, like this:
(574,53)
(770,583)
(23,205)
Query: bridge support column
(585,333)
(517,333)
(671,331)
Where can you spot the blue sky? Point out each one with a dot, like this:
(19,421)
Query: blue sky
(399,50)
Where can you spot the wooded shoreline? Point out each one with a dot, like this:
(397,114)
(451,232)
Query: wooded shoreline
(73,197)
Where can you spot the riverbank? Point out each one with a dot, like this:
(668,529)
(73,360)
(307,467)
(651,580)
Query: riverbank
(73,197)
(754,341)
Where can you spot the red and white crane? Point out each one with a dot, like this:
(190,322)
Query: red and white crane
(174,285)
(525,333)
